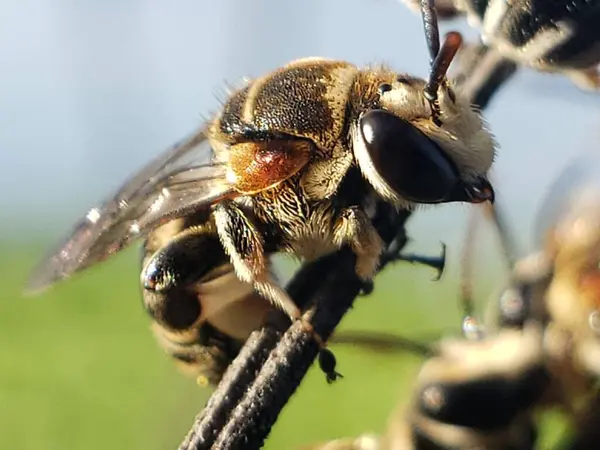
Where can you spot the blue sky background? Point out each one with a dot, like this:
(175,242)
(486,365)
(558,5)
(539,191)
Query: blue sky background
(91,90)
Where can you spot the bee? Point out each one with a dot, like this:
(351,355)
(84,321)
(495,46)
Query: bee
(469,394)
(481,393)
(479,390)
(476,394)
(557,288)
(536,351)
(204,324)
(295,162)
(569,236)
(558,285)
(484,389)
(548,36)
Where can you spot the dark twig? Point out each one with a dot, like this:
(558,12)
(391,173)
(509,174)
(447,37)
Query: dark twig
(286,366)
(332,285)
(247,402)
(231,389)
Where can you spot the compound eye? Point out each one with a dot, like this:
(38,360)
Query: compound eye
(411,164)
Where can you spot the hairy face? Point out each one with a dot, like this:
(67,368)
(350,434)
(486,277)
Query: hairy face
(410,159)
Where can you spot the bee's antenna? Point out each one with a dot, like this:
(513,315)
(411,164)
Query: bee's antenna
(441,63)
(432,31)
(440,57)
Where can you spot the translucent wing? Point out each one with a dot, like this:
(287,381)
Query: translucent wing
(184,179)
(575,193)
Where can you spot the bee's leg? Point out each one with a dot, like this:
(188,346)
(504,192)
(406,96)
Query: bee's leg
(392,254)
(328,363)
(586,79)
(367,288)
(354,228)
(244,245)
(389,254)
(323,177)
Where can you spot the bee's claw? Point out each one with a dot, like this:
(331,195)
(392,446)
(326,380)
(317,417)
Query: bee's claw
(367,288)
(327,363)
(436,262)
(333,376)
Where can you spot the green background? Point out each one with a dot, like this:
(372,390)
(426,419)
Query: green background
(82,371)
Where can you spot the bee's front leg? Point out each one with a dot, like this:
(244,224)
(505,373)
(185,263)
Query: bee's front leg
(323,177)
(244,244)
(585,79)
(394,253)
(354,228)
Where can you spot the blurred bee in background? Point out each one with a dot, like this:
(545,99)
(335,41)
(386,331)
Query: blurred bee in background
(296,162)
(559,36)
(468,394)
(557,288)
(558,285)
(475,394)
(537,351)
(480,390)
(569,235)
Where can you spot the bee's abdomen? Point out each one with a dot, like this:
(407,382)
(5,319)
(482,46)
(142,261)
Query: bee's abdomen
(467,403)
(200,352)
(202,311)
(184,258)
(229,311)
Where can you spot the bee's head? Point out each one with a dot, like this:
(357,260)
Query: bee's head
(410,159)
(424,142)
